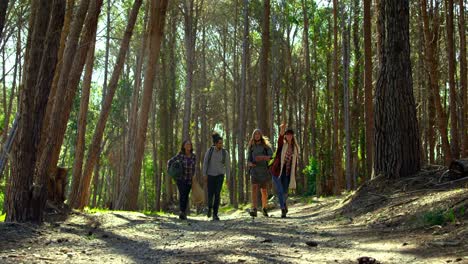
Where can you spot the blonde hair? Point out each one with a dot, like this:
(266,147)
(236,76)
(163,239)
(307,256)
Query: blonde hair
(265,141)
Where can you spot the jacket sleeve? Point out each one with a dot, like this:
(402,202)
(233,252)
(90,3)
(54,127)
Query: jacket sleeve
(249,155)
(280,141)
(269,152)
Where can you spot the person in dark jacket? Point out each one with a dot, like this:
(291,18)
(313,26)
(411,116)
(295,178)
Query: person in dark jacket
(259,154)
(184,183)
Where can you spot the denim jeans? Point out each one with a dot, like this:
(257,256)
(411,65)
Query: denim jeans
(184,190)
(282,186)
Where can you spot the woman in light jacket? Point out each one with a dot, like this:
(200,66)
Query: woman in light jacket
(285,166)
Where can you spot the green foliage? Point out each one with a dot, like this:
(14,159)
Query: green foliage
(2,197)
(439,217)
(311,171)
(2,218)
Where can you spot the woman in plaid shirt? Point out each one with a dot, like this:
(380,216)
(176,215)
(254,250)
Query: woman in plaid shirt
(184,183)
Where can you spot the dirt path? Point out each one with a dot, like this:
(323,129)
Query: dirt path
(123,237)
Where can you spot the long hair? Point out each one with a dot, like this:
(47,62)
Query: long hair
(293,142)
(263,139)
(182,149)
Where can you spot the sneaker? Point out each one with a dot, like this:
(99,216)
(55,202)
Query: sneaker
(283,213)
(182,216)
(209,213)
(265,212)
(253,212)
(215,218)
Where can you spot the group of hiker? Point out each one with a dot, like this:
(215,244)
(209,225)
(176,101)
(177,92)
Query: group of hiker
(263,165)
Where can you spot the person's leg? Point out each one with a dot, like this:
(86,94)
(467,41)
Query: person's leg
(211,192)
(254,195)
(279,190)
(182,199)
(285,179)
(217,196)
(264,192)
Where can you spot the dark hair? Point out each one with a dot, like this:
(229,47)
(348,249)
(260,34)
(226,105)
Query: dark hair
(216,137)
(289,131)
(182,149)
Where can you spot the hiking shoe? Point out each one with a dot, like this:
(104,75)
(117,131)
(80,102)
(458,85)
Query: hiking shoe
(182,216)
(209,213)
(215,218)
(253,212)
(265,212)
(286,208)
(283,213)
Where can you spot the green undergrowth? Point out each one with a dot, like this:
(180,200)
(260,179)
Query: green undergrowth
(440,217)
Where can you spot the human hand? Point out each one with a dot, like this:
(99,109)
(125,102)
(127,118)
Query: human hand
(282,128)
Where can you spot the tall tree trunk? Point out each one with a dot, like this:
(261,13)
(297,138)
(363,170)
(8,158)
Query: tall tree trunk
(80,141)
(451,81)
(3,11)
(337,168)
(73,63)
(357,94)
(128,196)
(431,40)
(397,148)
(263,113)
(26,195)
(242,105)
(80,199)
(346,60)
(368,97)
(190,29)
(463,80)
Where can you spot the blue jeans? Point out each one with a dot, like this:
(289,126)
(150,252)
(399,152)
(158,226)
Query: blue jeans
(282,186)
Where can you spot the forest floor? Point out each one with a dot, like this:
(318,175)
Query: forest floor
(421,219)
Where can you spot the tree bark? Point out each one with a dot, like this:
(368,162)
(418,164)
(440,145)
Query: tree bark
(397,148)
(368,97)
(455,145)
(80,141)
(263,113)
(3,11)
(25,191)
(66,90)
(128,196)
(463,80)
(81,198)
(337,169)
(346,101)
(431,43)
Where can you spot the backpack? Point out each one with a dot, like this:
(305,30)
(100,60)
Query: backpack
(176,170)
(223,161)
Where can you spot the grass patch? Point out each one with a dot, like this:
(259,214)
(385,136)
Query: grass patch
(154,213)
(440,217)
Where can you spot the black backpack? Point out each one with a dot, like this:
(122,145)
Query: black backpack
(223,161)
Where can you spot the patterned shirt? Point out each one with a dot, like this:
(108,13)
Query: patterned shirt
(288,159)
(188,164)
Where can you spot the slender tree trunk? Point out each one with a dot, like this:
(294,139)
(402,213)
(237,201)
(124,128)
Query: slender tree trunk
(431,40)
(455,145)
(128,196)
(463,80)
(263,113)
(3,11)
(337,169)
(80,141)
(346,60)
(368,97)
(81,198)
(357,94)
(398,150)
(190,29)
